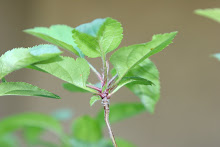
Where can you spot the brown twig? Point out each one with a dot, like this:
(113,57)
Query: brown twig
(105,102)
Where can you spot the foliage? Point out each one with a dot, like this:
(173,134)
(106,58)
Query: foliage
(131,68)
(96,39)
(86,131)
(18,58)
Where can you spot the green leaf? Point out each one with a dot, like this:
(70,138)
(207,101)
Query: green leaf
(94,99)
(213,14)
(73,88)
(16,122)
(148,94)
(8,140)
(104,38)
(25,89)
(87,129)
(21,57)
(70,70)
(120,112)
(126,58)
(217,56)
(60,35)
(132,80)
(87,43)
(110,35)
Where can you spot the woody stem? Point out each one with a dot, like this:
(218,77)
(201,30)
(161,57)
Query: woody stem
(105,102)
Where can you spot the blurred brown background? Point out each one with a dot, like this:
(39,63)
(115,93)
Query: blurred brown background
(188,112)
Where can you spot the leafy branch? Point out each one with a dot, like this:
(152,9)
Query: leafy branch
(131,66)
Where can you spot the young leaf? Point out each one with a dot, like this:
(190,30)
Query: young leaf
(87,43)
(120,112)
(70,70)
(132,80)
(87,129)
(94,99)
(105,38)
(15,122)
(60,35)
(110,35)
(21,57)
(149,94)
(217,56)
(126,58)
(213,14)
(25,89)
(73,88)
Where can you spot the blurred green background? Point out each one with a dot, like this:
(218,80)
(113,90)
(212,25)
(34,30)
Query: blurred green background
(188,112)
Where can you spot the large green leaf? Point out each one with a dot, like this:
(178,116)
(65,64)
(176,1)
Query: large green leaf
(68,69)
(126,58)
(87,129)
(149,94)
(104,38)
(213,14)
(217,56)
(60,35)
(121,111)
(21,57)
(15,122)
(25,89)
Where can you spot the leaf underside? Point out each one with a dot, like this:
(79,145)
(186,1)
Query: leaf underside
(132,80)
(148,94)
(24,89)
(21,57)
(60,35)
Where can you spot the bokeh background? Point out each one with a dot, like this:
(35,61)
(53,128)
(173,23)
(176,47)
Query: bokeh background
(187,114)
